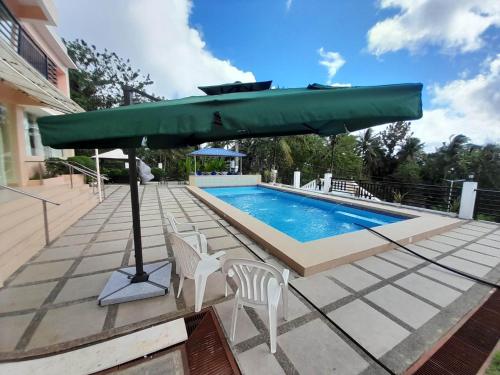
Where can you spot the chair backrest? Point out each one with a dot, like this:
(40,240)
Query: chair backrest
(172,222)
(185,255)
(252,278)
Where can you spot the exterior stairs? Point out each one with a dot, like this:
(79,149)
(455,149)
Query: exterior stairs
(22,230)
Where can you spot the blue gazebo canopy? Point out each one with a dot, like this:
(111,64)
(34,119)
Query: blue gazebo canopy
(217,152)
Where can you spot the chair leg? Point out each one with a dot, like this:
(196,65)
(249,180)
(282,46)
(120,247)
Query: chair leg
(284,292)
(233,320)
(200,283)
(181,283)
(273,323)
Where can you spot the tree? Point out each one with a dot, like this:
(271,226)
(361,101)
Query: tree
(346,159)
(371,152)
(97,82)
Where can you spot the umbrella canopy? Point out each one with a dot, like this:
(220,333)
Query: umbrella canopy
(116,154)
(217,152)
(199,119)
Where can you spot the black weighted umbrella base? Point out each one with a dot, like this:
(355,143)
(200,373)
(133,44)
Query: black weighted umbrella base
(122,287)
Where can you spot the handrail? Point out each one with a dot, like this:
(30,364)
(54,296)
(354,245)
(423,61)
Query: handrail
(71,162)
(29,195)
(44,205)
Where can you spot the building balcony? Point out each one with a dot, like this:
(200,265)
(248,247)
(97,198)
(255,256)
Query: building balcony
(18,39)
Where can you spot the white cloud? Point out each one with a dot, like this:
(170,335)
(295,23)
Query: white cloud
(468,106)
(288,5)
(454,25)
(177,56)
(333,61)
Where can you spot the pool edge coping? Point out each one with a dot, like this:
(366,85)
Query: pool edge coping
(316,256)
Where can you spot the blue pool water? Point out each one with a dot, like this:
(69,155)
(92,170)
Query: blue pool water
(302,218)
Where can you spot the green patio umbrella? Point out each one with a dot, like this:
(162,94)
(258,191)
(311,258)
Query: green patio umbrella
(193,120)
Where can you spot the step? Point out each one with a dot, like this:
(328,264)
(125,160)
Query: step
(23,240)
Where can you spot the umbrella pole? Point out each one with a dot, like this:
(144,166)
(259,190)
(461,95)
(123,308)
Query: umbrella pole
(140,275)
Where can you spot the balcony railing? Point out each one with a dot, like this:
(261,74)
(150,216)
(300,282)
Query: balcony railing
(13,34)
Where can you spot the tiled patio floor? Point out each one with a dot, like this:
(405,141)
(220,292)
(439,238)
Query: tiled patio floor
(394,304)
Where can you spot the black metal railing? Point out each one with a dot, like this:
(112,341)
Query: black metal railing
(434,197)
(487,205)
(14,35)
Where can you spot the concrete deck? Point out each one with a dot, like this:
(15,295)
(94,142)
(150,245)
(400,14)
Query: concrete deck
(395,304)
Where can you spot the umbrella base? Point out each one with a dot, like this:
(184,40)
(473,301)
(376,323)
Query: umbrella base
(120,287)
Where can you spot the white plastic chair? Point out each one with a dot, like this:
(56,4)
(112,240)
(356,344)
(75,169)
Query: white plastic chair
(259,285)
(194,265)
(189,231)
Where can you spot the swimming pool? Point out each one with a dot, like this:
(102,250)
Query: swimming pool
(302,218)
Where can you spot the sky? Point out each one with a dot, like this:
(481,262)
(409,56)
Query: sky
(451,46)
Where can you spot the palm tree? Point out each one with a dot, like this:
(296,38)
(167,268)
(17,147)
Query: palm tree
(369,145)
(411,149)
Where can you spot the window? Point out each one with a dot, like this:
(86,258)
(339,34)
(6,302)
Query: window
(32,137)
(7,173)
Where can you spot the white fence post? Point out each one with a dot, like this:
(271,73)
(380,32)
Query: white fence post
(327,182)
(296,179)
(468,200)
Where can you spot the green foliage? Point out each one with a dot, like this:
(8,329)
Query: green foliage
(399,197)
(494,368)
(213,165)
(116,175)
(86,161)
(346,160)
(158,173)
(55,169)
(408,171)
(97,82)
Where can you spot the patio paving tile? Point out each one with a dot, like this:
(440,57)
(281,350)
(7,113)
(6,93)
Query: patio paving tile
(221,243)
(12,328)
(151,223)
(376,332)
(407,308)
(423,251)
(296,309)
(428,289)
(259,360)
(433,245)
(352,277)
(489,242)
(401,257)
(214,289)
(196,219)
(116,235)
(238,253)
(460,236)
(476,228)
(151,231)
(150,241)
(120,219)
(483,249)
(136,311)
(487,260)
(259,251)
(24,297)
(448,240)
(68,323)
(43,271)
(214,232)
(207,224)
(82,230)
(58,253)
(447,277)
(106,247)
(99,263)
(380,267)
(151,254)
(319,289)
(72,240)
(326,352)
(117,226)
(82,287)
(244,326)
(465,266)
(87,222)
(484,225)
(468,231)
